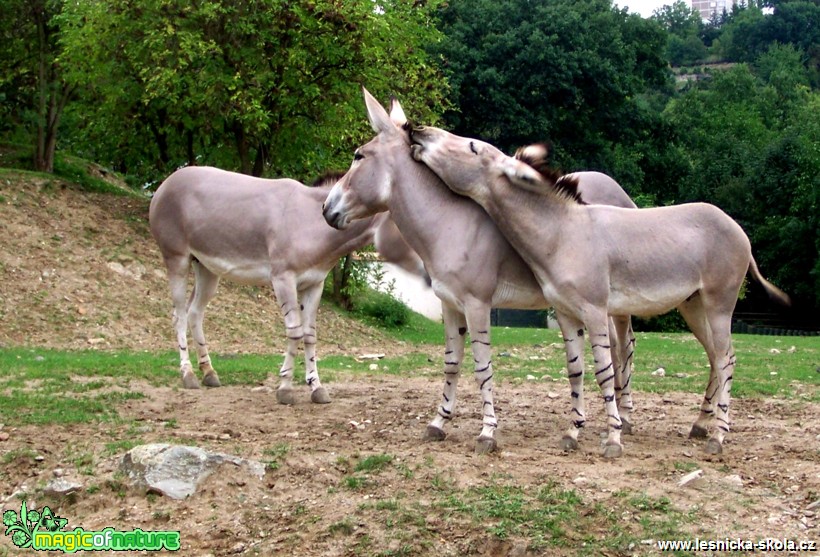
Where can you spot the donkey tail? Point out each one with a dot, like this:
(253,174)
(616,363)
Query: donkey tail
(775,294)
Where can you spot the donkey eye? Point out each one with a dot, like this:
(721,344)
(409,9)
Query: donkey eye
(472,148)
(357,156)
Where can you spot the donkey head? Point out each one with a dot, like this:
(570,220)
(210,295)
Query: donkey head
(468,166)
(366,187)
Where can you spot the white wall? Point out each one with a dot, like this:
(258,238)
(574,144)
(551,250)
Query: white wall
(413,291)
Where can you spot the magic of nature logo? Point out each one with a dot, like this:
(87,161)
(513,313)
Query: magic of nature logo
(42,531)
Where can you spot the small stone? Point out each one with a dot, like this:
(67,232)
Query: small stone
(774,351)
(690,478)
(660,372)
(687,454)
(792,350)
(530,377)
(58,472)
(813,506)
(373,367)
(4,436)
(61,487)
(262,389)
(681,375)
(551,394)
(95,341)
(580,480)
(507,355)
(39,458)
(238,547)
(734,480)
(371,356)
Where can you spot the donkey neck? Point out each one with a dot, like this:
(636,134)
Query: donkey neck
(420,202)
(525,217)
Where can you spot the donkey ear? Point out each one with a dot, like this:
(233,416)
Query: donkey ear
(522,174)
(397,113)
(534,152)
(379,119)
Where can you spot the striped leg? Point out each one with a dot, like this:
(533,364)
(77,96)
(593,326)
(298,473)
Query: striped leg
(205,283)
(310,306)
(178,281)
(455,327)
(478,323)
(623,348)
(694,314)
(284,287)
(572,331)
(605,376)
(724,366)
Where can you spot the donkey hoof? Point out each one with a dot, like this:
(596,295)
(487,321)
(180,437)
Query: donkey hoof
(713,446)
(189,380)
(285,396)
(626,427)
(569,443)
(434,433)
(698,432)
(211,380)
(484,445)
(613,451)
(320,396)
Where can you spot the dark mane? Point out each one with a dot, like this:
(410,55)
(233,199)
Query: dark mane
(565,186)
(328,179)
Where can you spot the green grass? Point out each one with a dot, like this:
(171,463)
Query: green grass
(40,386)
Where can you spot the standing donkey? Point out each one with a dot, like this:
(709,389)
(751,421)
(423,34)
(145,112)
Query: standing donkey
(592,261)
(260,232)
(473,268)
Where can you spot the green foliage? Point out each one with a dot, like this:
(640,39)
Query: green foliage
(384,309)
(568,71)
(265,87)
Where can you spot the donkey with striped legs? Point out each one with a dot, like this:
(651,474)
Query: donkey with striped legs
(473,268)
(259,232)
(593,260)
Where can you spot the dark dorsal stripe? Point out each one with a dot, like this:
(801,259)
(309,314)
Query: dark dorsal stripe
(565,186)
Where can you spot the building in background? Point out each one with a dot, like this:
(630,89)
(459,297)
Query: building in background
(708,7)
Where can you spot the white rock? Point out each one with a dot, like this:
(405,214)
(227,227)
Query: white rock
(690,478)
(774,351)
(530,377)
(735,480)
(792,350)
(660,372)
(373,367)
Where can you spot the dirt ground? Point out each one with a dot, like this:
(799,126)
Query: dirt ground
(80,271)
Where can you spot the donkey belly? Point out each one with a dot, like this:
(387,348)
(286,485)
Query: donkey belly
(648,301)
(244,271)
(518,296)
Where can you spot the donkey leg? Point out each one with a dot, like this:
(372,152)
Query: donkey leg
(721,326)
(455,327)
(694,314)
(605,376)
(310,306)
(622,341)
(572,331)
(204,290)
(177,281)
(284,287)
(478,323)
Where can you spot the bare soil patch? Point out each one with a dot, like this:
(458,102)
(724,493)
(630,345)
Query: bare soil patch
(293,510)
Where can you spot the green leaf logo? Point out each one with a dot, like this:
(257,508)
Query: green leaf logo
(23,527)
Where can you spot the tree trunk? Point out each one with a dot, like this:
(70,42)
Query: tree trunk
(242,148)
(261,159)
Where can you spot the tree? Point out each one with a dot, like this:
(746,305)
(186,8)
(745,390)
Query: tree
(31,85)
(750,139)
(569,71)
(263,86)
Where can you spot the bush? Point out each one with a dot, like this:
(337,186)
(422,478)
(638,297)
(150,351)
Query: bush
(384,309)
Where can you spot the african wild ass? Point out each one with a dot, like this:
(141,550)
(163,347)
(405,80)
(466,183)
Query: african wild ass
(593,260)
(260,232)
(473,268)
